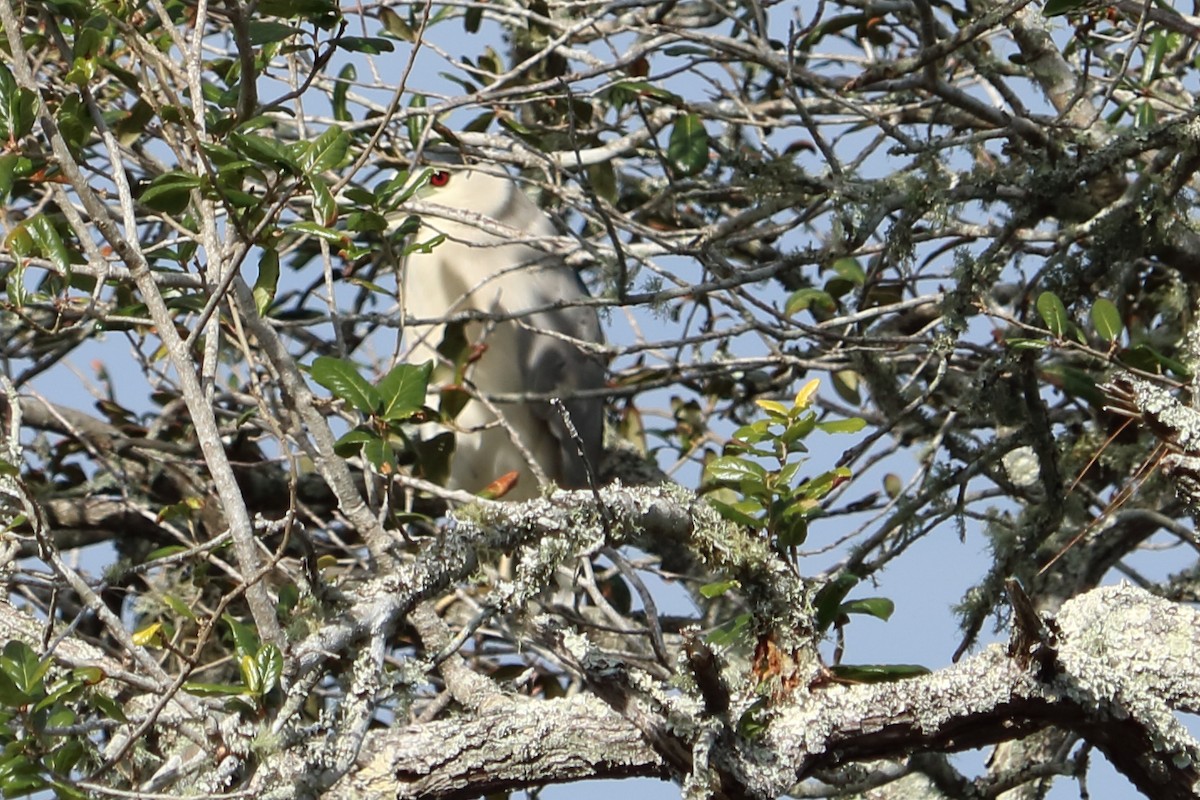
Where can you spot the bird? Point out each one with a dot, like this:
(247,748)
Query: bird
(542,353)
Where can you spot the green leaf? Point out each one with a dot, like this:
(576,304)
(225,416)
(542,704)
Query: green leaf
(351,442)
(1053,313)
(327,151)
(791,530)
(380,455)
(1026,344)
(688,146)
(1145,357)
(268,31)
(318,12)
(245,638)
(1074,383)
(849,269)
(731,469)
(774,408)
(170,192)
(1107,320)
(740,513)
(267,282)
(22,664)
(372,45)
(394,24)
(341,377)
(324,206)
(74,121)
(11,695)
(877,673)
(879,607)
(265,151)
(109,708)
(472,17)
(49,242)
(848,425)
(824,483)
(829,599)
(320,231)
(178,606)
(270,666)
(9,164)
(1154,55)
(718,588)
(817,299)
(1055,7)
(341,88)
(403,390)
(416,123)
(16,107)
(63,758)
(728,633)
(213,689)
(603,179)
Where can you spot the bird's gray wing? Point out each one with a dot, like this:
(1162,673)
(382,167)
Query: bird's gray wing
(561,369)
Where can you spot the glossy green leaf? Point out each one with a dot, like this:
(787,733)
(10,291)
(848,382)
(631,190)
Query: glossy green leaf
(848,425)
(817,299)
(318,12)
(213,689)
(1026,344)
(878,607)
(731,469)
(403,390)
(371,45)
(380,455)
(849,269)
(416,123)
(245,638)
(327,151)
(342,379)
(49,243)
(472,17)
(269,31)
(108,708)
(1053,313)
(269,663)
(170,192)
(394,24)
(687,147)
(740,513)
(320,231)
(267,281)
(265,151)
(324,206)
(1074,382)
(341,89)
(22,664)
(16,107)
(829,599)
(1106,319)
(1155,54)
(728,633)
(845,383)
(1053,8)
(351,442)
(718,588)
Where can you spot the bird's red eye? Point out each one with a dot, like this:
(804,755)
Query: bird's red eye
(439,178)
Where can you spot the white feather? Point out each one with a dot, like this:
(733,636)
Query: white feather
(474,269)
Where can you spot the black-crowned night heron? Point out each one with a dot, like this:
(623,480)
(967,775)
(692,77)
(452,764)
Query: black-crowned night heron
(538,355)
